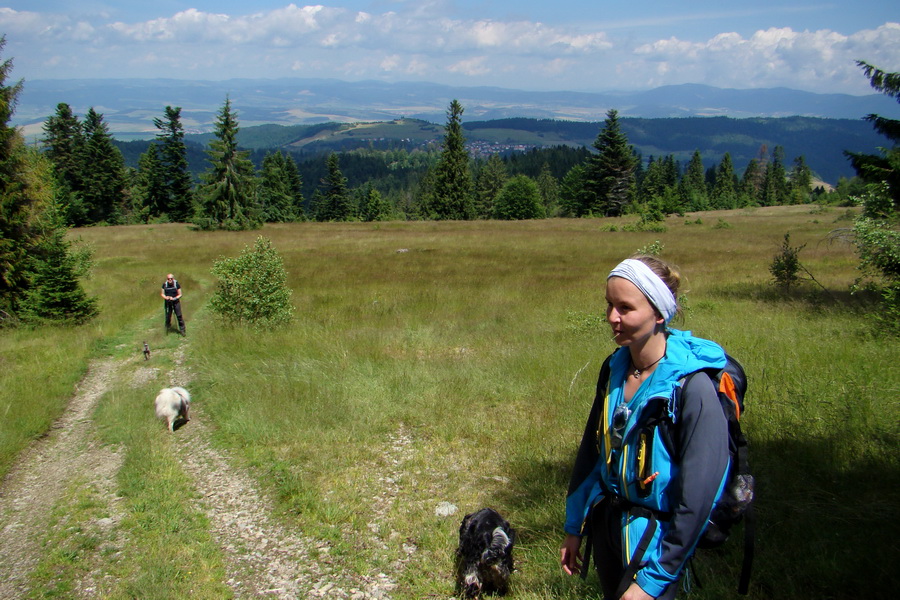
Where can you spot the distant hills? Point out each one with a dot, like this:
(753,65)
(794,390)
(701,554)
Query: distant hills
(130,105)
(318,115)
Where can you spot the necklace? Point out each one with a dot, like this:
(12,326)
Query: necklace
(637,372)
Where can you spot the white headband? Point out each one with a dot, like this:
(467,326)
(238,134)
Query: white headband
(656,291)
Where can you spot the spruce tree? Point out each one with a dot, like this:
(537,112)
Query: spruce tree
(227,198)
(64,145)
(279,195)
(488,185)
(724,194)
(574,198)
(774,190)
(883,167)
(877,228)
(38,274)
(610,173)
(333,196)
(24,194)
(751,183)
(54,294)
(174,164)
(549,188)
(151,190)
(693,185)
(104,172)
(800,182)
(452,192)
(374,207)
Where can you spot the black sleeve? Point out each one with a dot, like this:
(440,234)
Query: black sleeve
(702,442)
(587,452)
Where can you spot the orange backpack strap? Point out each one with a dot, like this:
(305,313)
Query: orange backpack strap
(727,387)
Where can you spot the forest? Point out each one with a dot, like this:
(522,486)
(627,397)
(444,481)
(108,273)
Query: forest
(389,165)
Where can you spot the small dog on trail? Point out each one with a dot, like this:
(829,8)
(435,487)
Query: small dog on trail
(173,404)
(484,557)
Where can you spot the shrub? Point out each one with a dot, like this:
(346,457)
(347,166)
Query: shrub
(654,249)
(785,267)
(252,287)
(519,199)
(877,236)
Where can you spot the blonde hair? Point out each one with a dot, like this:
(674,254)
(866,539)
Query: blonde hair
(669,274)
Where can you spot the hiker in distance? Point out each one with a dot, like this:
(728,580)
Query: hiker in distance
(636,483)
(171,293)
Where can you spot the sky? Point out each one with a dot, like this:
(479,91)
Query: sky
(540,45)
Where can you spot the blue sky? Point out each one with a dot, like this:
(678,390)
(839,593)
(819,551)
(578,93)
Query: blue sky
(579,45)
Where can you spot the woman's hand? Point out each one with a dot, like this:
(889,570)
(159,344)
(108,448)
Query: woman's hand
(634,592)
(571,555)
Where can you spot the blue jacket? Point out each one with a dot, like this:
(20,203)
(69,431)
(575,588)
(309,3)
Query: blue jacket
(679,475)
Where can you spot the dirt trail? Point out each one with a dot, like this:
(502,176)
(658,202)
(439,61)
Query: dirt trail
(263,558)
(42,473)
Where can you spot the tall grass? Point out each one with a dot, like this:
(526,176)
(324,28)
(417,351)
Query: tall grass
(455,362)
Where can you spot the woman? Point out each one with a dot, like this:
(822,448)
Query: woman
(648,471)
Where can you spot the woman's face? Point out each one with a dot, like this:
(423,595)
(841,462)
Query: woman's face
(629,313)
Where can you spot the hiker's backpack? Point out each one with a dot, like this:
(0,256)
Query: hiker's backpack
(736,502)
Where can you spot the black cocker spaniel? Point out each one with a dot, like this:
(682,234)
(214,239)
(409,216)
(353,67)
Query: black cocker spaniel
(484,559)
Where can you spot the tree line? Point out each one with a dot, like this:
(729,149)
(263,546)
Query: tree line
(78,177)
(242,189)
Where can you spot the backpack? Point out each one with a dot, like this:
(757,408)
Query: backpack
(736,501)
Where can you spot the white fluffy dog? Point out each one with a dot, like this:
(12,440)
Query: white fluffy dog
(171,404)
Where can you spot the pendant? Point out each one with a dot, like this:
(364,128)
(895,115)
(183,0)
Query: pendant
(636,373)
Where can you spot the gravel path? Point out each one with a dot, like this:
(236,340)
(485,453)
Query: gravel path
(263,558)
(41,475)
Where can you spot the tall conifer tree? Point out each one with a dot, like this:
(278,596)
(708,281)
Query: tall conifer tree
(334,197)
(488,185)
(452,192)
(104,172)
(724,194)
(20,200)
(152,191)
(64,145)
(174,165)
(227,199)
(34,253)
(280,197)
(610,173)
(883,167)
(693,185)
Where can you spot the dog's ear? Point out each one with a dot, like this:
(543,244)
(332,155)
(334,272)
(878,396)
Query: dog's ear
(465,523)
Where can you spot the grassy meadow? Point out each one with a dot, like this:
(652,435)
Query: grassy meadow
(456,362)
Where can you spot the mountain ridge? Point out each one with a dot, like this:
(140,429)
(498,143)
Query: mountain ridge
(130,105)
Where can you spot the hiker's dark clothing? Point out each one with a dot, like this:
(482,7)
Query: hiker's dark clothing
(172,290)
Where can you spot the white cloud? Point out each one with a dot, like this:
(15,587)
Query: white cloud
(474,66)
(418,40)
(816,60)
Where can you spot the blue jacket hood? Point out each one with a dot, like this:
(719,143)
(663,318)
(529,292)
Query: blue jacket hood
(685,354)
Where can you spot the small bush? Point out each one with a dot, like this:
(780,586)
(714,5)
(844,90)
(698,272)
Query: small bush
(252,288)
(785,266)
(654,249)
(722,224)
